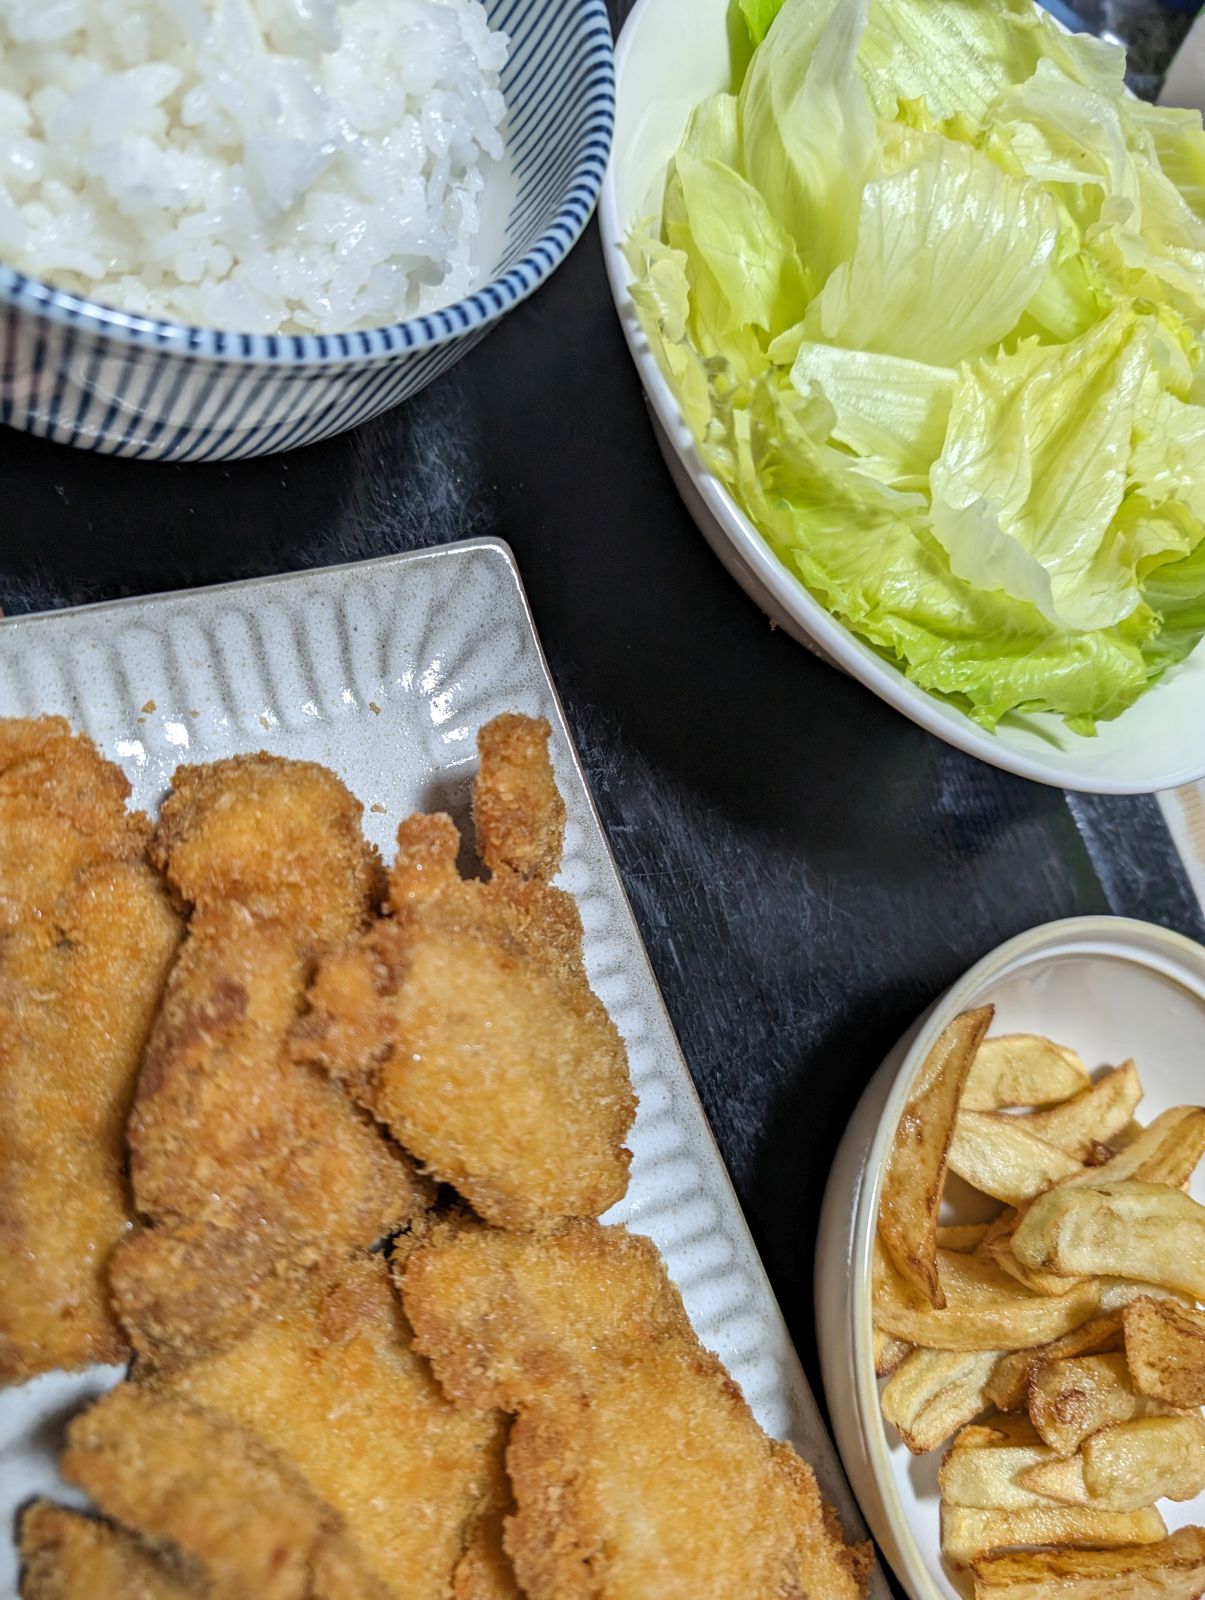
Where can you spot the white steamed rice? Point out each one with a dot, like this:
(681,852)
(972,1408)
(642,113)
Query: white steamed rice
(254,165)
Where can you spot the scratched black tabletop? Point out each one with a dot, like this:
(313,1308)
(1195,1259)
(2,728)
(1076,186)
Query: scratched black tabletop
(809,870)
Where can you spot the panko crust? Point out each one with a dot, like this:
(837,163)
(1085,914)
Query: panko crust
(636,1465)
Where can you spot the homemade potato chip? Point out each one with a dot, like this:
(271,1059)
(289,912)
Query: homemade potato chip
(933,1392)
(968,1533)
(1022,1069)
(1134,1230)
(998,1155)
(1171,1569)
(916,1170)
(984,1308)
(1081,1125)
(1068,1400)
(1165,1349)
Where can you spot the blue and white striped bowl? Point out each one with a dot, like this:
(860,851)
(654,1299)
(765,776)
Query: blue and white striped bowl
(89,375)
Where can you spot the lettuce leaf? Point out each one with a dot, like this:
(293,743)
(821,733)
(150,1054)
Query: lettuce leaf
(949,254)
(886,409)
(930,288)
(1034,468)
(808,136)
(758,15)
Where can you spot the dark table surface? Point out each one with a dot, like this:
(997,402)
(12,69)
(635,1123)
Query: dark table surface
(809,870)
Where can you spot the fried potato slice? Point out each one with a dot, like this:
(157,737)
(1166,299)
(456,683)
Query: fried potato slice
(992,1477)
(964,1238)
(1137,1230)
(68,1556)
(1165,1349)
(997,1246)
(1092,1117)
(1149,1459)
(916,1168)
(999,1155)
(1008,1387)
(932,1393)
(1022,1069)
(1165,1151)
(1062,1478)
(968,1533)
(999,1431)
(1071,1399)
(984,1308)
(1117,1293)
(1171,1569)
(888,1353)
(1129,1466)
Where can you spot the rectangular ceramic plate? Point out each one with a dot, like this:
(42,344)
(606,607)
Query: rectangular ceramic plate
(384,671)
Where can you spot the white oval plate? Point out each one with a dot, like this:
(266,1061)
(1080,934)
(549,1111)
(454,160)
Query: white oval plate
(671,55)
(1112,989)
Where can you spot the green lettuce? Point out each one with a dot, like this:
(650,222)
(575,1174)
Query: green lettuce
(930,288)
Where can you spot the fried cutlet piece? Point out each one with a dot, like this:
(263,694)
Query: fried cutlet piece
(333,1383)
(280,838)
(205,1493)
(252,1170)
(68,1556)
(636,1465)
(87,935)
(465,1020)
(62,809)
(518,812)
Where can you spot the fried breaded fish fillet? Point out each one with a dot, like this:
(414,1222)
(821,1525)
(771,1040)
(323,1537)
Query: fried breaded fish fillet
(212,1497)
(252,1170)
(87,936)
(68,1556)
(636,1466)
(465,1021)
(333,1383)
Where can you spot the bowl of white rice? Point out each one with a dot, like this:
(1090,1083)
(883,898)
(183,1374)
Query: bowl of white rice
(233,227)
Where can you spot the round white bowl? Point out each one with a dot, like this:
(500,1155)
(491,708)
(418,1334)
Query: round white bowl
(671,55)
(102,379)
(1112,989)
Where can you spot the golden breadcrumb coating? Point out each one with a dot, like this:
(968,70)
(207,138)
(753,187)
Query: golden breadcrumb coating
(62,809)
(280,838)
(465,1021)
(197,1487)
(333,1383)
(87,935)
(68,1556)
(636,1465)
(261,1165)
